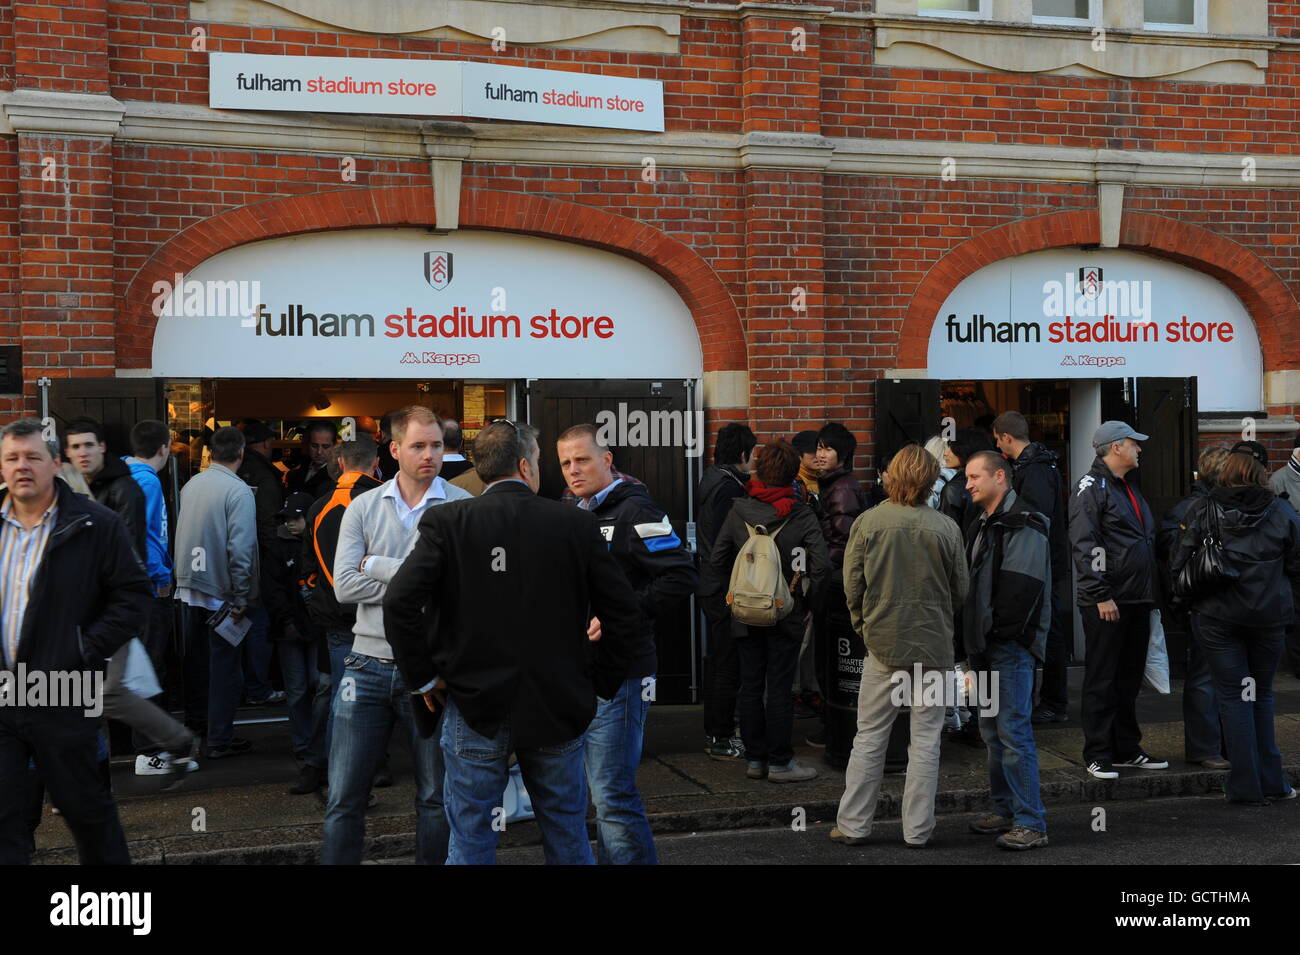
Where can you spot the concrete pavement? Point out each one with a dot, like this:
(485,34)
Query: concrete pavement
(237,811)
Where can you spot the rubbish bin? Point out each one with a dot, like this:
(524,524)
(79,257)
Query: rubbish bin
(842,678)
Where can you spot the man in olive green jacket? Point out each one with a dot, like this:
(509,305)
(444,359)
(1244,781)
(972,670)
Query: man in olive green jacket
(905,578)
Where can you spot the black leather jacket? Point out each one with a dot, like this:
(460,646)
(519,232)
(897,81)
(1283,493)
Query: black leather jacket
(117,490)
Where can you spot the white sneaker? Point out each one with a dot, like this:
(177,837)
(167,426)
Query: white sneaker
(152,765)
(164,764)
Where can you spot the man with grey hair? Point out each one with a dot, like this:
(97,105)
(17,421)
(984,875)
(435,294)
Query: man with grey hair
(512,679)
(216,566)
(72,592)
(1113,536)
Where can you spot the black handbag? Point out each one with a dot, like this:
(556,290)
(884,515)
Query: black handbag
(1208,570)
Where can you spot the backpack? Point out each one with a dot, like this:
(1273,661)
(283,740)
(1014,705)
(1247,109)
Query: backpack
(759,595)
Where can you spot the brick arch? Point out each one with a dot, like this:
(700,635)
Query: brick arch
(1268,300)
(716,319)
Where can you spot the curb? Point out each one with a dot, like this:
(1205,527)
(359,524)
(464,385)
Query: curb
(300,845)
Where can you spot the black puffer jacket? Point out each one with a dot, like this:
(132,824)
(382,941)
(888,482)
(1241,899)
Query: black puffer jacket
(1114,549)
(260,474)
(653,559)
(90,594)
(115,488)
(1261,541)
(720,485)
(1036,478)
(838,505)
(283,568)
(797,529)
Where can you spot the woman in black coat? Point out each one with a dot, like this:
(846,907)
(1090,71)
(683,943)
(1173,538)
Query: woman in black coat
(1242,625)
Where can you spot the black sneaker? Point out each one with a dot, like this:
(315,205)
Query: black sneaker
(1045,714)
(1143,761)
(1102,770)
(817,739)
(721,747)
(235,747)
(310,779)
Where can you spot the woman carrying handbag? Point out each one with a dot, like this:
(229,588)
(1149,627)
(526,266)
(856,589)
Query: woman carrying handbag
(1234,565)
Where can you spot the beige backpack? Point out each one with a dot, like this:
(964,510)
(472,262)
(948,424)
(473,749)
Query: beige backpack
(759,595)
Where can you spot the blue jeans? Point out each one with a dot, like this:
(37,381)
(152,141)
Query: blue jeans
(477,773)
(613,752)
(256,647)
(372,699)
(340,645)
(1240,656)
(1202,738)
(1013,757)
(298,666)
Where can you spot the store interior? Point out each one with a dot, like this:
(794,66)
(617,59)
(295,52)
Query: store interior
(289,405)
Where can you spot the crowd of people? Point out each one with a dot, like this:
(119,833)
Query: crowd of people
(374,571)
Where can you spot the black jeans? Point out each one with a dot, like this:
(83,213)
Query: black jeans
(1117,653)
(721,673)
(63,743)
(195,666)
(768,657)
(1055,694)
(158,634)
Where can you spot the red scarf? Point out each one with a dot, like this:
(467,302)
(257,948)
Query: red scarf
(781,498)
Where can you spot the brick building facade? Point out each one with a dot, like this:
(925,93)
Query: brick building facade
(870,155)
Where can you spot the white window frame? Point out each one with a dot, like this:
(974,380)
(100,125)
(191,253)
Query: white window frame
(985,12)
(1200,20)
(1093,19)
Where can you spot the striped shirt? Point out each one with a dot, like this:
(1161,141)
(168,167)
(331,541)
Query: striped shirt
(21,550)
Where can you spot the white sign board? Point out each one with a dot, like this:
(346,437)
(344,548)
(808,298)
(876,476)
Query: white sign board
(401,303)
(1066,313)
(330,84)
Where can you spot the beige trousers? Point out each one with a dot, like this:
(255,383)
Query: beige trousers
(876,714)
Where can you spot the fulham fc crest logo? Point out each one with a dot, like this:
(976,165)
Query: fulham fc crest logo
(437,269)
(1089,281)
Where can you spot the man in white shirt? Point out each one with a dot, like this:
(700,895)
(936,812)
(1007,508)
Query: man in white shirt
(377,532)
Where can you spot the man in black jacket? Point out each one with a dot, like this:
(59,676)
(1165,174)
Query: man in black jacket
(662,572)
(1113,533)
(260,474)
(72,592)
(1037,480)
(513,580)
(312,477)
(357,460)
(108,477)
(1004,626)
(720,486)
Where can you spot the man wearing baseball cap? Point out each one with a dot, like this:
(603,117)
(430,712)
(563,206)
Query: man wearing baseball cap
(1112,535)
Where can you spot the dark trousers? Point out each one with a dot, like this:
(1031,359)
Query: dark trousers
(768,656)
(158,631)
(1055,694)
(195,666)
(1202,736)
(1117,653)
(1243,661)
(721,674)
(63,742)
(1293,647)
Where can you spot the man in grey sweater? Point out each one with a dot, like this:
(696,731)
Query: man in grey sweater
(216,563)
(377,532)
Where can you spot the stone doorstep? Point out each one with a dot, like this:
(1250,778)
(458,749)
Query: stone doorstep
(300,845)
